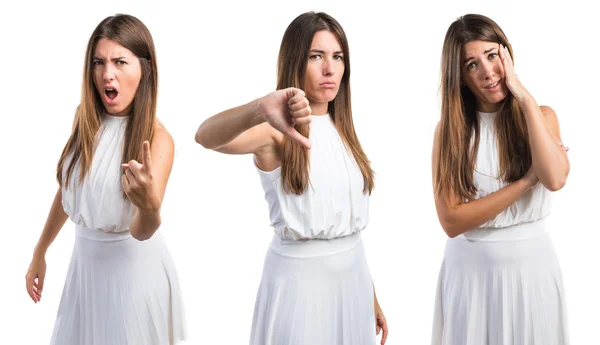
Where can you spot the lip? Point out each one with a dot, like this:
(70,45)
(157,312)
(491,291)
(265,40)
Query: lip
(328,85)
(108,100)
(495,88)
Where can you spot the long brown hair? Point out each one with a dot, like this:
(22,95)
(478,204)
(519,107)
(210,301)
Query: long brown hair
(132,34)
(458,134)
(291,68)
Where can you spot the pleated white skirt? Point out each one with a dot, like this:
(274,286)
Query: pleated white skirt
(501,287)
(119,291)
(316,292)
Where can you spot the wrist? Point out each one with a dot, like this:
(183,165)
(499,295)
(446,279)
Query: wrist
(526,100)
(258,111)
(149,212)
(39,253)
(525,184)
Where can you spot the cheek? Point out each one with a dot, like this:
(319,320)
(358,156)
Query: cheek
(498,68)
(471,81)
(133,81)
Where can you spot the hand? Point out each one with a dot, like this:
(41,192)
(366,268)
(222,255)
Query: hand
(138,183)
(37,270)
(512,82)
(286,108)
(531,178)
(381,323)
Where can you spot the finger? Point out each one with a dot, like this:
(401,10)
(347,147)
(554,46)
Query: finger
(385,332)
(297,96)
(29,288)
(508,56)
(377,330)
(301,104)
(302,120)
(301,112)
(503,57)
(125,165)
(130,175)
(40,282)
(125,184)
(134,168)
(293,134)
(146,155)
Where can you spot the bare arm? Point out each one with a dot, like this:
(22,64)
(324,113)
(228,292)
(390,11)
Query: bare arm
(36,274)
(238,130)
(457,217)
(256,126)
(549,159)
(145,184)
(55,221)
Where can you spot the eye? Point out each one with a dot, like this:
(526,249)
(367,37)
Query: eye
(338,57)
(492,56)
(121,63)
(315,57)
(471,65)
(97,63)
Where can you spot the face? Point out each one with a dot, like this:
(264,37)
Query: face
(324,71)
(117,73)
(483,74)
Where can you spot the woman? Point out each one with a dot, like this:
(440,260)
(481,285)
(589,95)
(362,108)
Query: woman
(121,287)
(316,286)
(496,157)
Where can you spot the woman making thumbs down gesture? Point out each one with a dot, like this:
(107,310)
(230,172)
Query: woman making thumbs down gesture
(316,286)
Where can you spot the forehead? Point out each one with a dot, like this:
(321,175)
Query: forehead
(325,40)
(474,48)
(108,47)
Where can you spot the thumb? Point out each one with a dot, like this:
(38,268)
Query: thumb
(293,134)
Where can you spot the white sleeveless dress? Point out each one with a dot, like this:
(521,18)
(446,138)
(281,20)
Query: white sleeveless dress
(316,288)
(118,290)
(500,284)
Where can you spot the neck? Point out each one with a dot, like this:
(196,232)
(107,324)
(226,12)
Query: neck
(318,109)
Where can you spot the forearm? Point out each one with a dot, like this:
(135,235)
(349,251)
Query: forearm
(55,221)
(144,224)
(463,217)
(549,160)
(222,128)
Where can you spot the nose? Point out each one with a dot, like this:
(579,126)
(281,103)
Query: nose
(108,74)
(328,67)
(488,69)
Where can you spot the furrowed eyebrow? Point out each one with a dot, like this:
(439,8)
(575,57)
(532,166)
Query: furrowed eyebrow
(485,52)
(113,59)
(323,52)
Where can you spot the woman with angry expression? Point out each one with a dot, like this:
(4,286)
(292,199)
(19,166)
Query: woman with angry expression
(497,155)
(316,287)
(122,286)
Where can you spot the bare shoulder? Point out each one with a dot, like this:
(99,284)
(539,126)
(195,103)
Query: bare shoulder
(163,146)
(161,136)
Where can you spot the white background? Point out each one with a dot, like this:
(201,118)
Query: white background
(219,55)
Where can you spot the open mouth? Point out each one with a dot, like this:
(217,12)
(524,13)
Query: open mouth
(111,93)
(493,85)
